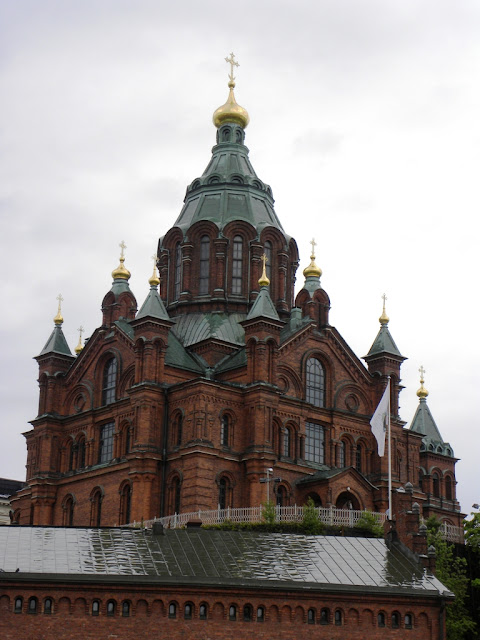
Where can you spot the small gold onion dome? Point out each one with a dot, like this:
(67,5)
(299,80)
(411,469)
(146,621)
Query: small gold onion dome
(422,392)
(154,280)
(384,319)
(264,281)
(121,272)
(58,319)
(312,270)
(79,346)
(231,111)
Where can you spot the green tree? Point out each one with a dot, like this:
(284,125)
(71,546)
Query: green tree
(452,571)
(311,524)
(268,513)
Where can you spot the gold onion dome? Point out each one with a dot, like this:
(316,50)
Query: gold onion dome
(121,272)
(58,319)
(154,280)
(231,111)
(312,270)
(264,281)
(79,346)
(422,392)
(384,319)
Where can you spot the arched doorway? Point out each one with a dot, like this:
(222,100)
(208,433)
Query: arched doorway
(317,501)
(347,500)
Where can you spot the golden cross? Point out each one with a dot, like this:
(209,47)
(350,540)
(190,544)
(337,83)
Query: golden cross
(264,259)
(122,246)
(60,300)
(314,244)
(384,297)
(422,374)
(231,61)
(80,330)
(154,258)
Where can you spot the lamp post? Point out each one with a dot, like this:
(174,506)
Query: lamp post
(269,479)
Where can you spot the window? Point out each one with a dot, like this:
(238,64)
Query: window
(325,616)
(232,612)
(96,508)
(109,381)
(314,443)
(81,453)
(395,620)
(48,606)
(188,611)
(222,493)
(68,510)
(111,606)
(338,617)
(408,621)
(311,616)
(260,614)
(315,383)
(95,607)
(105,452)
(436,485)
(282,496)
(126,440)
(32,605)
(358,458)
(18,605)
(202,613)
(224,430)
(287,443)
(341,454)
(125,504)
(178,271)
(381,620)
(172,610)
(448,488)
(178,428)
(268,253)
(237,263)
(247,613)
(204,279)
(125,608)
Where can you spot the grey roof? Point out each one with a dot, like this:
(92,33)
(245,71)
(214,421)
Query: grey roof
(56,343)
(195,327)
(263,306)
(213,558)
(383,343)
(9,487)
(153,306)
(424,424)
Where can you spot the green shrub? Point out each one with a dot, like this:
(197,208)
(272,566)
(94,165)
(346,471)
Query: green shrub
(311,524)
(369,525)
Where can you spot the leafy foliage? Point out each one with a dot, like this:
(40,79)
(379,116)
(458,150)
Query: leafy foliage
(268,513)
(369,525)
(311,523)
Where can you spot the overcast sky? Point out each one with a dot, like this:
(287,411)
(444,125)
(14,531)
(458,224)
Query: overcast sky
(364,119)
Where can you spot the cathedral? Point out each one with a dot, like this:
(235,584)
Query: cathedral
(222,379)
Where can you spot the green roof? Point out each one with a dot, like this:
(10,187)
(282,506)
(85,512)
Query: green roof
(424,424)
(177,356)
(192,328)
(56,343)
(384,343)
(263,306)
(153,306)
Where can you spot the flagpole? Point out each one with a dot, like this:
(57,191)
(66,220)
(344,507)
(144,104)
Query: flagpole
(390,514)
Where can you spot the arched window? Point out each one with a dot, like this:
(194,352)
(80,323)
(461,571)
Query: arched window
(232,612)
(81,452)
(96,508)
(314,443)
(203,611)
(70,455)
(32,605)
(436,485)
(105,451)
(188,611)
(204,276)
(18,605)
(175,495)
(315,383)
(341,454)
(222,493)
(178,429)
(408,621)
(68,511)
(125,608)
(237,265)
(109,381)
(48,606)
(225,430)
(381,619)
(448,488)
(178,271)
(172,610)
(325,616)
(395,620)
(247,613)
(268,253)
(338,617)
(282,496)
(287,444)
(111,606)
(311,616)
(125,504)
(95,607)
(358,458)
(260,614)
(420,479)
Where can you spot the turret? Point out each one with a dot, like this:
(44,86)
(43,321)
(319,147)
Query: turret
(119,301)
(312,299)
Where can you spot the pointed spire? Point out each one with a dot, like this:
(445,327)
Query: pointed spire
(121,272)
(79,346)
(154,281)
(263,306)
(153,306)
(422,393)
(231,111)
(57,343)
(264,281)
(384,343)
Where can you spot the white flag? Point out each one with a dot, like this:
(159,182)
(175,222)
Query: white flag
(380,418)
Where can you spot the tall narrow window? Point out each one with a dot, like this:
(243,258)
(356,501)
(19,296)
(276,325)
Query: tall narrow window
(48,606)
(109,381)
(204,279)
(81,452)
(341,454)
(358,458)
(448,488)
(32,605)
(224,431)
(68,509)
(96,509)
(125,504)
(315,379)
(287,444)
(176,495)
(237,263)
(222,494)
(178,271)
(436,485)
(282,496)
(105,452)
(268,252)
(314,443)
